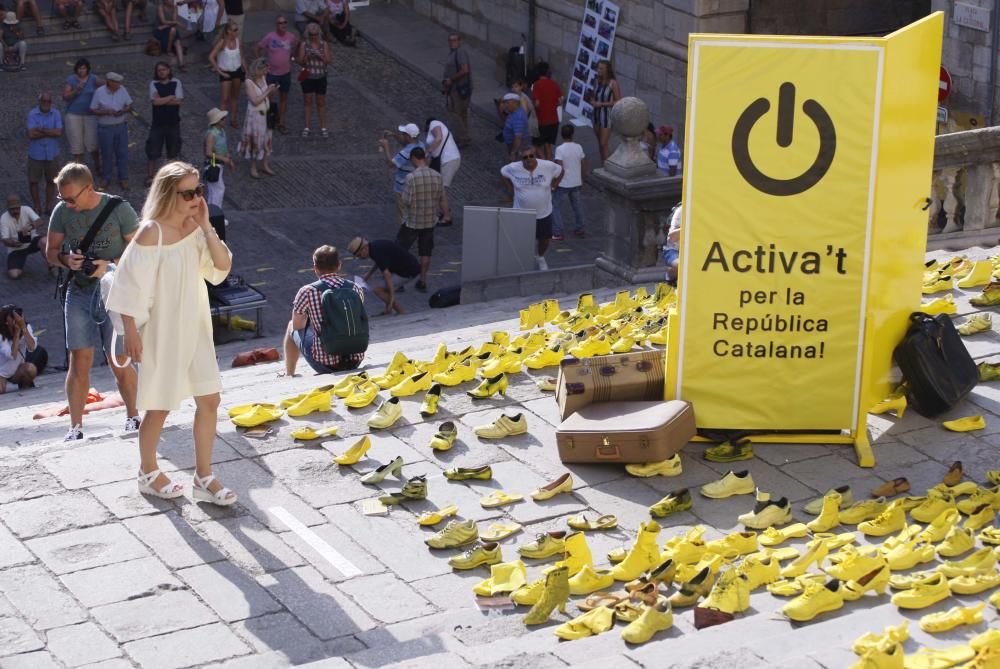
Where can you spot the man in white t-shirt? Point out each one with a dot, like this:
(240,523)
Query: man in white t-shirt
(532,181)
(19,234)
(569,156)
(671,250)
(442,147)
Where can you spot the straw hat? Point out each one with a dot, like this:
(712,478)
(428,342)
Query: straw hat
(215,115)
(355,245)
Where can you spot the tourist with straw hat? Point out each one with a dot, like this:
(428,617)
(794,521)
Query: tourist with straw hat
(217,155)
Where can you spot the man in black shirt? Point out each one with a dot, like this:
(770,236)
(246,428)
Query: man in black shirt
(166,94)
(389,258)
(234,12)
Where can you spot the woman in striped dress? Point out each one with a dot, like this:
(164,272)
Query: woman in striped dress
(606,94)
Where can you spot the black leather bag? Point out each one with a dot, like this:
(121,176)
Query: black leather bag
(937,368)
(272,115)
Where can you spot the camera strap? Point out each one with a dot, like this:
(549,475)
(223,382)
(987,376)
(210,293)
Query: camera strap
(88,239)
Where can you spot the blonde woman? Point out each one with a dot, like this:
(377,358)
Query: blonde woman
(256,142)
(163,273)
(314,56)
(227,61)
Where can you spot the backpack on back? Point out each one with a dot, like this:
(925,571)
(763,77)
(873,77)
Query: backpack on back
(936,366)
(344,329)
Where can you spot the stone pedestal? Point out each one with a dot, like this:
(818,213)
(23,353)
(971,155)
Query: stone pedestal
(639,200)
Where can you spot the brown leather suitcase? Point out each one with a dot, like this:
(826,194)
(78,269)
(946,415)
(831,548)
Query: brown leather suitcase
(604,378)
(626,432)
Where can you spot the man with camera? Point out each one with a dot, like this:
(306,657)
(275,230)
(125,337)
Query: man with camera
(87,231)
(456,85)
(19,234)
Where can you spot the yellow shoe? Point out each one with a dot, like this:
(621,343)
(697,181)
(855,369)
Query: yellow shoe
(457,373)
(412,385)
(690,592)
(942,305)
(429,406)
(504,426)
(980,518)
(508,363)
(577,552)
(545,357)
(246,408)
(729,595)
(975,583)
(940,526)
(835,541)
(546,383)
(587,580)
(310,403)
(308,433)
(877,580)
(555,593)
(990,536)
(991,637)
(891,635)
(489,387)
(816,551)
(499,498)
(258,415)
(907,581)
(767,512)
(346,386)
(909,555)
(238,323)
(504,577)
(434,517)
(500,531)
(815,600)
(733,483)
(669,467)
(929,591)
(644,555)
(989,297)
(855,566)
(966,424)
(980,275)
(546,544)
(960,267)
(773,536)
(932,507)
(977,498)
(388,413)
(456,533)
(397,364)
(445,437)
(829,516)
(759,571)
(389,379)
(893,519)
(933,658)
(484,473)
(562,484)
(656,618)
(530,594)
(733,545)
(686,549)
(904,537)
(792,587)
(362,395)
(942,283)
(883,656)
(895,403)
(594,346)
(862,511)
(355,452)
(596,621)
(713,561)
(480,554)
(623,345)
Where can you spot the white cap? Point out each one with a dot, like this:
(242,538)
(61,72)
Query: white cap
(512,96)
(114,76)
(410,129)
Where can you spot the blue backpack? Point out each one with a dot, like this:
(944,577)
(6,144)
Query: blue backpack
(344,329)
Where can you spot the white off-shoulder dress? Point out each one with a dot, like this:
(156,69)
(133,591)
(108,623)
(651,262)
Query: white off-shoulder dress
(178,354)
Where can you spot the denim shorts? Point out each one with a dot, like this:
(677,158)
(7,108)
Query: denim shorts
(87,323)
(670,255)
(304,340)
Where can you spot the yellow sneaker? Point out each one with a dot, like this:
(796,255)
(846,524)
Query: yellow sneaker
(973,584)
(815,600)
(729,595)
(759,571)
(685,549)
(354,453)
(907,581)
(476,556)
(978,497)
(891,635)
(362,395)
(942,283)
(940,526)
(893,519)
(669,467)
(733,483)
(589,580)
(456,533)
(504,577)
(508,363)
(767,512)
(909,555)
(445,437)
(862,511)
(982,561)
(310,403)
(975,324)
(504,426)
(792,587)
(546,544)
(991,637)
(623,345)
(924,593)
(653,619)
(457,373)
(980,518)
(388,413)
(883,656)
(545,357)
(773,536)
(989,297)
(346,386)
(942,305)
(733,545)
(855,565)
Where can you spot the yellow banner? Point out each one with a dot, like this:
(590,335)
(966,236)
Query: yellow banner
(779,182)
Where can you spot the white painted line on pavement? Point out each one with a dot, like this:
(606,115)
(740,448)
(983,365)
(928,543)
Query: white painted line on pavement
(339,562)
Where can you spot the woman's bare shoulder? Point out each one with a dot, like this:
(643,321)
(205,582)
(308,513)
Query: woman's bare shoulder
(148,234)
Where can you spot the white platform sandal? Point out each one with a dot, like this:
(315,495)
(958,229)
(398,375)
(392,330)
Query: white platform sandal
(171,490)
(201,493)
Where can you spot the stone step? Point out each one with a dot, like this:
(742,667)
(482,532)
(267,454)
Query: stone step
(69,49)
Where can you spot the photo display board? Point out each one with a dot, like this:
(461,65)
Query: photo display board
(597,38)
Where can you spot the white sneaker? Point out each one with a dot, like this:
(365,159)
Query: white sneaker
(131,424)
(541,264)
(75,434)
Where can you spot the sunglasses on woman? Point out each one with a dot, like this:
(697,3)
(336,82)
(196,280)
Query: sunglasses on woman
(191,194)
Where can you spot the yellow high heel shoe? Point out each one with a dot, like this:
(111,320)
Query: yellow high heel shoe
(489,387)
(354,453)
(895,403)
(555,594)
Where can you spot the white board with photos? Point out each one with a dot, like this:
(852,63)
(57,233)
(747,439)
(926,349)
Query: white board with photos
(597,37)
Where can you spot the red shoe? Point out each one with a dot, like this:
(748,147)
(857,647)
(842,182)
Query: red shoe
(257,355)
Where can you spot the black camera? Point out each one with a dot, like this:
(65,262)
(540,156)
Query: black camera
(18,310)
(88,267)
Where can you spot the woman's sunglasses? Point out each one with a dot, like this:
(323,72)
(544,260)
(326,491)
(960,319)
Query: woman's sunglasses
(189,195)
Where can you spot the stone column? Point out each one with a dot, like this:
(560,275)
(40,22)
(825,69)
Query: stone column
(639,200)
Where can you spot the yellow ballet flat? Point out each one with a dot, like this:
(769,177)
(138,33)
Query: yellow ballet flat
(504,577)
(354,453)
(500,531)
(445,437)
(258,415)
(346,386)
(562,484)
(966,424)
(499,498)
(310,403)
(952,618)
(434,517)
(308,434)
(245,408)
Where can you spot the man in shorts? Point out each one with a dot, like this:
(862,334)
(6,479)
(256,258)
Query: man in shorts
(531,181)
(391,259)
(45,127)
(423,198)
(18,232)
(87,324)
(277,47)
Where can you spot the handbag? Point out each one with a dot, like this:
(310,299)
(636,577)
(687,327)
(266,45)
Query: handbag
(937,368)
(212,172)
(117,323)
(303,74)
(435,163)
(272,115)
(88,239)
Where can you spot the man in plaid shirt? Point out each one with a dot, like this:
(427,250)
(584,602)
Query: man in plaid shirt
(302,335)
(423,197)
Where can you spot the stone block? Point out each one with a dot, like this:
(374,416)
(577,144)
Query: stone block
(39,597)
(173,540)
(12,551)
(981,56)
(120,582)
(282,633)
(54,513)
(629,499)
(326,611)
(980,74)
(186,648)
(37,660)
(340,542)
(17,637)
(84,549)
(259,492)
(250,545)
(177,447)
(123,501)
(152,616)
(24,478)
(387,598)
(228,591)
(314,477)
(93,463)
(81,644)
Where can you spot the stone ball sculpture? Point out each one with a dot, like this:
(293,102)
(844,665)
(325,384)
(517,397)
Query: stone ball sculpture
(629,117)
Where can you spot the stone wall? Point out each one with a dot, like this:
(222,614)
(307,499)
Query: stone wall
(834,17)
(966,55)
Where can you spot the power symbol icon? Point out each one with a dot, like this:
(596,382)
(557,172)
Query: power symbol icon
(786,118)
